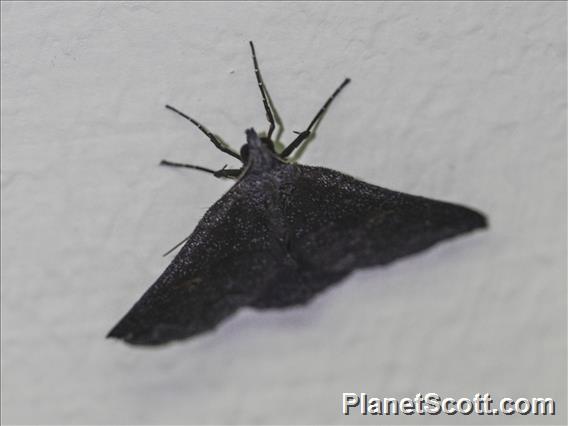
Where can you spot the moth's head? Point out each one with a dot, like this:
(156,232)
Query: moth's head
(258,151)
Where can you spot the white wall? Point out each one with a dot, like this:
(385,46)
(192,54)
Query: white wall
(459,101)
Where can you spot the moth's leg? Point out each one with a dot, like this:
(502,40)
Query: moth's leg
(187,166)
(269,115)
(221,173)
(176,246)
(302,136)
(220,145)
(225,173)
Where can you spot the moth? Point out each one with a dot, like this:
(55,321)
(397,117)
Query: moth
(283,233)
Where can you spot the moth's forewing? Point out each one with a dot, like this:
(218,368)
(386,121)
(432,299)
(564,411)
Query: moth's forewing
(225,264)
(338,222)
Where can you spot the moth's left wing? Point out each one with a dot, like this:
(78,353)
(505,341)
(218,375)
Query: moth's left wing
(224,265)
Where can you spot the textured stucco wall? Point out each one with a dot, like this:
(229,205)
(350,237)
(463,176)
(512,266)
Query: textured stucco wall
(458,101)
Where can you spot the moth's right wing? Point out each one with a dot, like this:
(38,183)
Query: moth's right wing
(337,223)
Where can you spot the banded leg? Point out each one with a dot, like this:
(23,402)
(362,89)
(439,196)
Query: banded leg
(269,115)
(220,145)
(302,136)
(221,173)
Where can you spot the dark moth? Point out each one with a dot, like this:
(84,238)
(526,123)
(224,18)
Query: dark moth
(282,233)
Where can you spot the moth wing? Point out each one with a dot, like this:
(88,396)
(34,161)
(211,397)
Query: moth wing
(338,223)
(223,266)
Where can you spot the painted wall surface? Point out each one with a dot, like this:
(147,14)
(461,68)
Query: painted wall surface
(464,102)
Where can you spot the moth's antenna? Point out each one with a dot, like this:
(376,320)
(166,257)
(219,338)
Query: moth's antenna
(220,145)
(269,115)
(221,173)
(302,136)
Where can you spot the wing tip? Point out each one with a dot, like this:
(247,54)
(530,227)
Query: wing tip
(124,331)
(478,220)
(133,334)
(130,337)
(117,333)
